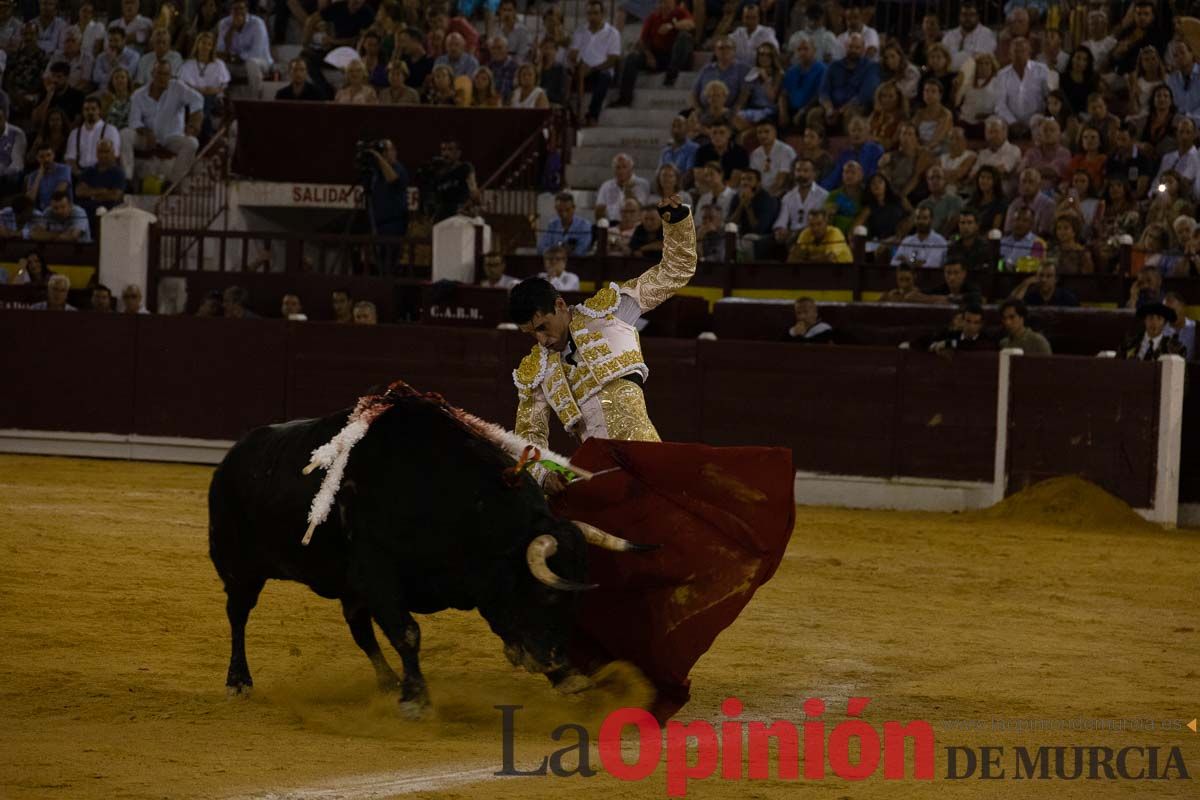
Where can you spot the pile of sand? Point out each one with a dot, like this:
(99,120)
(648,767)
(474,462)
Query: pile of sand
(1069,501)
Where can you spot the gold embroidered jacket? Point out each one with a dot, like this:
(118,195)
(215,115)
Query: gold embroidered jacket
(607,348)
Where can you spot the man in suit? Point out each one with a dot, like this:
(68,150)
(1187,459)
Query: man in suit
(1155,340)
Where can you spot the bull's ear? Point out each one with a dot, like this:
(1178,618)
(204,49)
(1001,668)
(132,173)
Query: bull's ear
(536,554)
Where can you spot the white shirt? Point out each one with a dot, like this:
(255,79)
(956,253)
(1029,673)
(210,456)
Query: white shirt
(17,156)
(596,48)
(213,75)
(745,44)
(167,115)
(1187,165)
(1147,343)
(81,144)
(870,39)
(81,67)
(965,45)
(612,196)
(1005,159)
(137,30)
(794,209)
(1100,50)
(145,69)
(721,201)
(1021,98)
(770,165)
(251,42)
(567,282)
(91,38)
(505,282)
(49,36)
(931,250)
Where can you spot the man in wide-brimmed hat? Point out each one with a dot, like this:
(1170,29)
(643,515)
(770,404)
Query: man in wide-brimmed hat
(1154,341)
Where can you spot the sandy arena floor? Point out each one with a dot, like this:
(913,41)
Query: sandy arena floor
(113,650)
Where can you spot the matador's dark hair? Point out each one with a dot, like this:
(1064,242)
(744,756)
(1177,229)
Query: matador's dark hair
(529,297)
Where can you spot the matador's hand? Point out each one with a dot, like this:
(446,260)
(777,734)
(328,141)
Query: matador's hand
(672,209)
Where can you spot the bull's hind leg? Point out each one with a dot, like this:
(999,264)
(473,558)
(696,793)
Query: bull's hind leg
(358,617)
(241,597)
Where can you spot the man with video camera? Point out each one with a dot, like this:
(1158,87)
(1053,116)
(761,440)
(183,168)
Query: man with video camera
(386,182)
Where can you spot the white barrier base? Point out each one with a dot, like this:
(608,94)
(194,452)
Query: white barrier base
(114,445)
(1189,515)
(898,494)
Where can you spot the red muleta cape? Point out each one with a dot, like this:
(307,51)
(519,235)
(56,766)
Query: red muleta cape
(723,517)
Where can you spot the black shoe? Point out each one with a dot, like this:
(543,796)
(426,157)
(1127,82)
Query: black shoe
(671,76)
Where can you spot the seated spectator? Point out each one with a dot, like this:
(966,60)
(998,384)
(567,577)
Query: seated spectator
(624,183)
(725,149)
(978,100)
(398,92)
(647,238)
(905,167)
(101,299)
(58,93)
(12,154)
(209,14)
(1023,86)
(710,234)
(905,290)
(1080,80)
(91,32)
(442,90)
(456,57)
(18,218)
(956,289)
(48,178)
(820,242)
(944,205)
(710,183)
(895,68)
(969,247)
(970,338)
(370,54)
(665,42)
(620,234)
(812,147)
(594,54)
(1153,340)
(1089,160)
(63,222)
(1017,335)
(566,230)
(357,90)
(884,215)
(244,44)
(989,201)
(681,152)
(939,69)
(505,24)
(751,35)
(1128,162)
(1184,80)
(56,295)
(1030,196)
(25,68)
(1099,41)
(1048,156)
(503,68)
(236,302)
(47,23)
(165,116)
(208,75)
(441,24)
(772,159)
(1184,159)
(864,152)
(345,22)
(483,90)
(102,184)
(808,20)
(1069,253)
(758,97)
(1042,289)
(116,102)
(1022,247)
(493,273)
(136,28)
(410,48)
(131,300)
(1147,76)
(802,198)
(555,262)
(809,327)
(724,68)
(299,86)
(933,120)
(667,182)
(79,62)
(924,247)
(846,202)
(1152,253)
(970,38)
(527,94)
(801,84)
(343,306)
(998,153)
(847,89)
(1183,328)
(291,308)
(160,44)
(365,313)
(891,111)
(54,134)
(82,144)
(1051,53)
(753,210)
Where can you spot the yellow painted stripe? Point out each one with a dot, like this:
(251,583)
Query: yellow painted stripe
(829,296)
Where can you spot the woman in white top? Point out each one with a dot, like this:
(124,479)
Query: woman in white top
(981,95)
(357,91)
(93,35)
(528,94)
(208,75)
(1148,74)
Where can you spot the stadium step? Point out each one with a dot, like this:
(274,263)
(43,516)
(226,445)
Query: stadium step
(602,156)
(622,137)
(639,118)
(587,177)
(674,100)
(653,80)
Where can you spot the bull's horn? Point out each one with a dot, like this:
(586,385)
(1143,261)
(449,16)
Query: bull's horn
(595,536)
(536,554)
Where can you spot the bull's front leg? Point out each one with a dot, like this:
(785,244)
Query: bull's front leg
(405,635)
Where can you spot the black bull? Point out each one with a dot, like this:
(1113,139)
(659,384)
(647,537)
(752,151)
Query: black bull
(424,521)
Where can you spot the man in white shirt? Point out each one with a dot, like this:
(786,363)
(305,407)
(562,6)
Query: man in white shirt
(160,44)
(772,158)
(711,178)
(515,34)
(243,42)
(555,262)
(165,114)
(854,24)
(747,38)
(998,152)
(1184,159)
(594,54)
(91,32)
(795,206)
(81,144)
(1024,85)
(969,38)
(49,26)
(924,248)
(136,27)
(73,56)
(493,273)
(622,184)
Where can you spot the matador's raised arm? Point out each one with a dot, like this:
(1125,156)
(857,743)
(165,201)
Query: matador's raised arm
(678,263)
